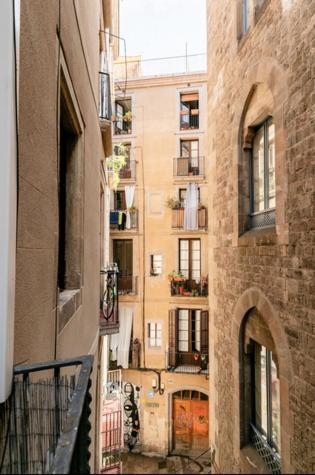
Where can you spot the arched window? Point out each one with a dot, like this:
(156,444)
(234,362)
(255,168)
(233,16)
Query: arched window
(257,184)
(260,389)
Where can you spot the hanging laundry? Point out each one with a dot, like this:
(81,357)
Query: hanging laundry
(121,220)
(113,219)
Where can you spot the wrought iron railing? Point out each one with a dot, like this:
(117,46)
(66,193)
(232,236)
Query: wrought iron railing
(178,218)
(189,288)
(188,361)
(109,312)
(122,127)
(189,166)
(190,121)
(45,422)
(268,454)
(105,108)
(128,172)
(118,219)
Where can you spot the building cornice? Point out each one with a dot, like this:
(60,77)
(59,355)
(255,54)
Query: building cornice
(165,80)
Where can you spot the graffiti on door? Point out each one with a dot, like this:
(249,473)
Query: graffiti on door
(131,398)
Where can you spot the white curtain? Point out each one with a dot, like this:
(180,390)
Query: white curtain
(125,327)
(191,207)
(129,194)
(120,342)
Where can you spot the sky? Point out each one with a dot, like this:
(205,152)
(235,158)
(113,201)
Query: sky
(161,28)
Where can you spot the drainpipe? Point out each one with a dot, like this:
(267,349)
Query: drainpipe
(8,191)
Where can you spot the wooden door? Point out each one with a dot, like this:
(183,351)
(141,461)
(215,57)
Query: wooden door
(190,422)
(123,255)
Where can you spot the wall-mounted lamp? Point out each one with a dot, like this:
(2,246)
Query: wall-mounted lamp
(157,386)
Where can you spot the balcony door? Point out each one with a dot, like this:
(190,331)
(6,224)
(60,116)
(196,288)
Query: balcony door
(123,255)
(190,260)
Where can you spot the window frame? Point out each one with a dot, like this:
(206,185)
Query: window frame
(155,330)
(257,348)
(187,105)
(152,273)
(191,313)
(265,124)
(190,241)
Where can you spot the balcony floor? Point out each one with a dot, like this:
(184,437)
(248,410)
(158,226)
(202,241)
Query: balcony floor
(189,369)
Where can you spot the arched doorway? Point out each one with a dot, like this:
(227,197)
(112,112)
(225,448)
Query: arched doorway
(190,421)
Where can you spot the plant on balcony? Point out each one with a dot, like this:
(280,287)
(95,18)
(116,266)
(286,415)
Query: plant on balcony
(133,209)
(177,280)
(127,117)
(173,203)
(201,206)
(116,162)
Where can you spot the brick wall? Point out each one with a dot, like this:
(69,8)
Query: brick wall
(272,270)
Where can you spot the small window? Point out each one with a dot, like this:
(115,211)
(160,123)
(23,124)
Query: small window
(123,116)
(189,111)
(155,264)
(190,259)
(155,334)
(263,180)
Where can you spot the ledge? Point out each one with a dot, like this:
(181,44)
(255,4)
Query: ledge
(266,236)
(189,300)
(69,303)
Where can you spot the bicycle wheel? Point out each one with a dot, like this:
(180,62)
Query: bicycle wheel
(108,302)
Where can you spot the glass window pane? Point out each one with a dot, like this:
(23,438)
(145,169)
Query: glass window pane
(185,149)
(183,244)
(261,388)
(183,346)
(271,166)
(158,342)
(258,171)
(159,326)
(275,395)
(196,245)
(152,341)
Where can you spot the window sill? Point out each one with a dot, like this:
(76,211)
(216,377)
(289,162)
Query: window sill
(265,236)
(252,461)
(69,303)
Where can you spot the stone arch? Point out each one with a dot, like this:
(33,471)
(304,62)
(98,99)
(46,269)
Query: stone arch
(250,299)
(271,73)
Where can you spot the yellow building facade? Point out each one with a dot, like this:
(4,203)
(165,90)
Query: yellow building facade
(161,250)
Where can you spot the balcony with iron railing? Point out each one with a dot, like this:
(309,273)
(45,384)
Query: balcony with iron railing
(181,287)
(187,362)
(178,218)
(44,425)
(127,284)
(188,167)
(128,172)
(122,127)
(118,220)
(109,312)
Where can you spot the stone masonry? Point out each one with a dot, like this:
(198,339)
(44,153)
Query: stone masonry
(271,269)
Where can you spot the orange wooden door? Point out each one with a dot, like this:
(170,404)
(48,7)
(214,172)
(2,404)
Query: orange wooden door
(190,424)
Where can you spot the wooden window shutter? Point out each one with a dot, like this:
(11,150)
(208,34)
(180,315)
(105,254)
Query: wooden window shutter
(204,346)
(189,97)
(172,338)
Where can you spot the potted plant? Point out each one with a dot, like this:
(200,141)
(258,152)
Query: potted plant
(177,280)
(127,117)
(173,203)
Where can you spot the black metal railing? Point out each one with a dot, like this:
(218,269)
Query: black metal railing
(128,172)
(188,166)
(189,121)
(105,108)
(127,284)
(263,218)
(122,127)
(188,361)
(109,312)
(45,422)
(118,219)
(268,454)
(189,288)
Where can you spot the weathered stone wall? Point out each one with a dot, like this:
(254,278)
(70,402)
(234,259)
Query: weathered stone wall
(272,270)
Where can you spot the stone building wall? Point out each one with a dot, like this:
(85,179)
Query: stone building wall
(271,269)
